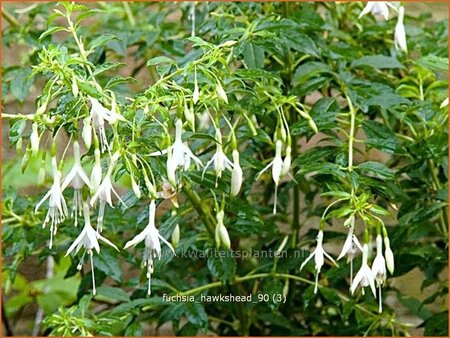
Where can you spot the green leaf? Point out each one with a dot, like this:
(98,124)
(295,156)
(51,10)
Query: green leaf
(21,84)
(89,90)
(112,294)
(199,42)
(160,59)
(308,70)
(253,55)
(378,62)
(434,62)
(102,40)
(16,130)
(437,325)
(300,42)
(380,137)
(51,31)
(134,329)
(376,169)
(195,314)
(222,265)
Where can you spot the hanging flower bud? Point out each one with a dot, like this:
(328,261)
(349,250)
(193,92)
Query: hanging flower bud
(86,134)
(221,92)
(74,87)
(135,187)
(196,93)
(287,162)
(389,256)
(175,236)
(400,35)
(34,139)
(189,116)
(41,174)
(25,160)
(19,144)
(96,174)
(236,175)
(224,237)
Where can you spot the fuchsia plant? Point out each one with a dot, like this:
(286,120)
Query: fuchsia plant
(220,126)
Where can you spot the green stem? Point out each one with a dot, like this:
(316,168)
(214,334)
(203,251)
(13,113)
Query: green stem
(239,279)
(437,185)
(10,18)
(129,13)
(196,202)
(18,116)
(351,137)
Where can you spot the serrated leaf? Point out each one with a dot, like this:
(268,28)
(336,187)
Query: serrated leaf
(376,169)
(222,265)
(378,62)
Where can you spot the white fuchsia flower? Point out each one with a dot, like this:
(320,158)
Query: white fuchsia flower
(277,166)
(88,238)
(379,270)
(236,175)
(365,276)
(178,154)
(77,178)
(57,208)
(104,193)
(152,239)
(350,245)
(98,116)
(319,260)
(377,8)
(219,160)
(400,35)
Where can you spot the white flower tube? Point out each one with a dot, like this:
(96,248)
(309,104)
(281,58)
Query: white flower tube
(57,208)
(318,255)
(365,276)
(379,270)
(400,35)
(88,239)
(150,235)
(77,178)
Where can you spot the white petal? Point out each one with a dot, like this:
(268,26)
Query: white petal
(306,260)
(137,239)
(107,241)
(167,243)
(77,240)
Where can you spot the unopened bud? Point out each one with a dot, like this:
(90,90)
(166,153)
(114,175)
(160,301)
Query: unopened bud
(25,160)
(34,139)
(287,162)
(96,174)
(228,43)
(19,145)
(135,187)
(189,116)
(41,174)
(86,134)
(389,255)
(236,175)
(42,108)
(176,236)
(150,187)
(196,93)
(74,87)
(221,93)
(224,237)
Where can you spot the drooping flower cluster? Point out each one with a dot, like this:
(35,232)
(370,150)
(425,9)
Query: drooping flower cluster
(382,8)
(373,277)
